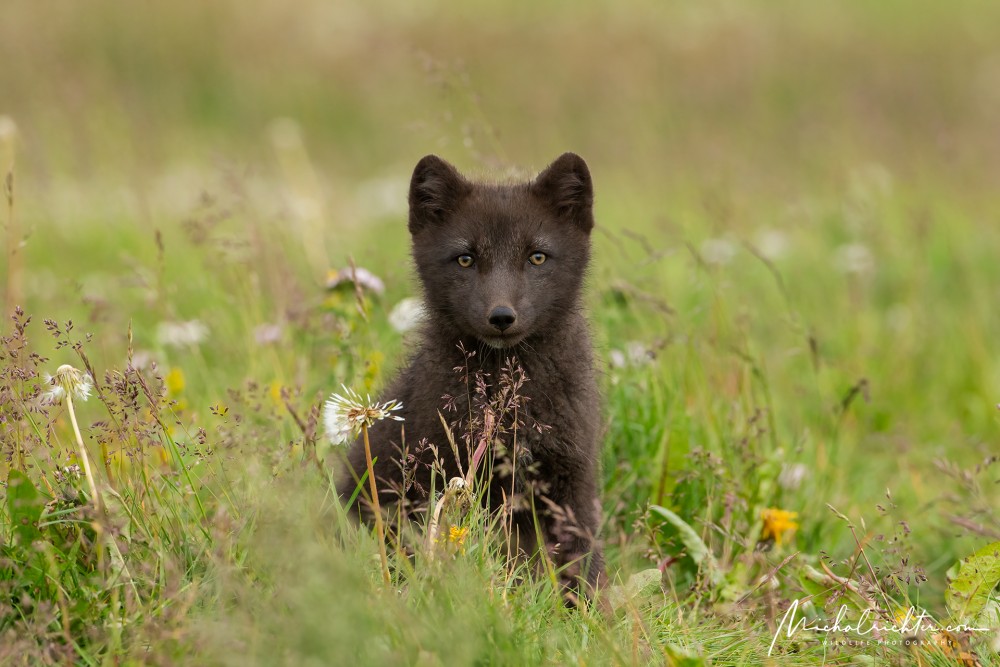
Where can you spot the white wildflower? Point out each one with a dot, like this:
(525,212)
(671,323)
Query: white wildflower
(180,334)
(718,251)
(357,275)
(870,183)
(383,197)
(407,314)
(792,475)
(638,354)
(66,381)
(142,360)
(8,130)
(268,334)
(344,415)
(635,354)
(68,473)
(285,133)
(771,243)
(854,258)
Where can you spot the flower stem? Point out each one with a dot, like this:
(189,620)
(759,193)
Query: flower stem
(83,451)
(379,528)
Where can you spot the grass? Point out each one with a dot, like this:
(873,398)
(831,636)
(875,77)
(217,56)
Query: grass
(793,303)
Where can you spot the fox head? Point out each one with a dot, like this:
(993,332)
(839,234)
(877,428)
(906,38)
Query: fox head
(501,263)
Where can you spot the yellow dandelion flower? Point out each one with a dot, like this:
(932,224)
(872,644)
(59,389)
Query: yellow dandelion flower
(457,535)
(777,522)
(174,381)
(275,393)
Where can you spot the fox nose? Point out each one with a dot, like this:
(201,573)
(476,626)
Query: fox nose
(502,317)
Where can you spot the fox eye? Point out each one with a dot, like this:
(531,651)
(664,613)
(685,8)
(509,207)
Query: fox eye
(537,258)
(465,261)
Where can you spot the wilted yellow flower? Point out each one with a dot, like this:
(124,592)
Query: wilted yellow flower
(777,522)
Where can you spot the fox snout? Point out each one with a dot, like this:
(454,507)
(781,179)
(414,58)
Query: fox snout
(502,318)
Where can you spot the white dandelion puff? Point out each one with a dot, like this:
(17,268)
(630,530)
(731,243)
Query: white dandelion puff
(718,251)
(8,129)
(635,355)
(180,334)
(382,197)
(407,314)
(771,243)
(345,414)
(854,258)
(71,384)
(66,381)
(792,475)
(268,334)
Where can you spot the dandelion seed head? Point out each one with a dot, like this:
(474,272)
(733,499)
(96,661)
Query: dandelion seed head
(268,334)
(382,197)
(8,128)
(407,314)
(772,243)
(345,414)
(285,133)
(792,475)
(68,381)
(180,334)
(854,258)
(718,251)
(636,354)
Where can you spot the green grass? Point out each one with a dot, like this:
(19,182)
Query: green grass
(796,258)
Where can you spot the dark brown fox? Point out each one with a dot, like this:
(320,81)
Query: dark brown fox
(502,268)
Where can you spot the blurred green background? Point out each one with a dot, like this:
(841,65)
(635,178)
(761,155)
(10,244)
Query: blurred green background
(854,145)
(857,141)
(794,199)
(763,98)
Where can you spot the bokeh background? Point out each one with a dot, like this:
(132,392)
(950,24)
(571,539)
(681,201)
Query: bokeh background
(799,223)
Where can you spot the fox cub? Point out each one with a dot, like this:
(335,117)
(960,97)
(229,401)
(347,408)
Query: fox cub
(502,268)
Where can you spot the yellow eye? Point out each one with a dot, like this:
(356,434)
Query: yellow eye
(465,261)
(537,258)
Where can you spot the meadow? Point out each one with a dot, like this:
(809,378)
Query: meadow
(794,301)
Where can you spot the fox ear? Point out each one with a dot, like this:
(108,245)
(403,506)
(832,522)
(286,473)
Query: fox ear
(435,189)
(566,187)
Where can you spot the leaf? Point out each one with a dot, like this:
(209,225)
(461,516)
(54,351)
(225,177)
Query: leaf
(25,505)
(637,584)
(696,547)
(970,589)
(681,657)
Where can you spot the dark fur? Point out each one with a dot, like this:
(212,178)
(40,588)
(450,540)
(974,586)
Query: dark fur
(500,226)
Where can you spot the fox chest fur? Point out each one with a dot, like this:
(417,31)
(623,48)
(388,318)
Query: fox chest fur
(502,378)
